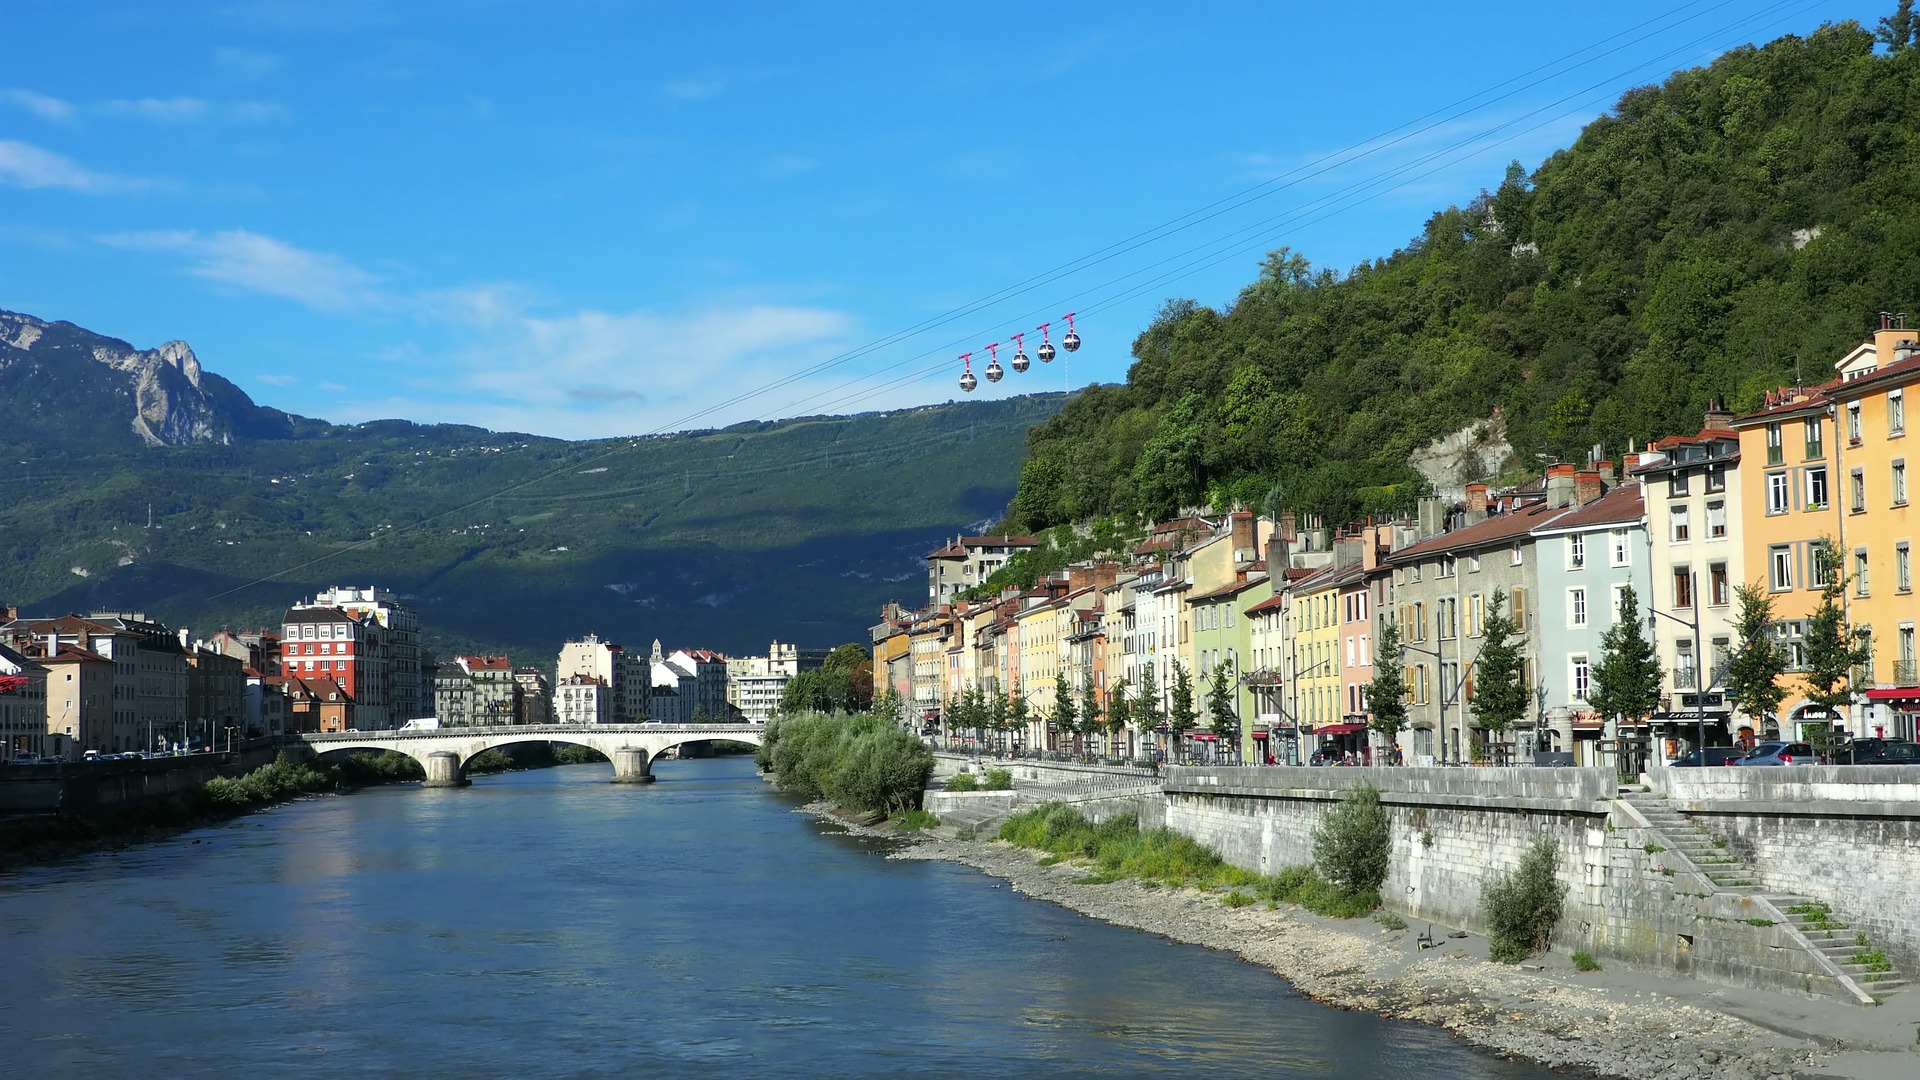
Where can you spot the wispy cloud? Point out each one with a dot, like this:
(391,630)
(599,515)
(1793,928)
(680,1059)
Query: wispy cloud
(787,166)
(25,165)
(172,110)
(276,380)
(41,105)
(264,264)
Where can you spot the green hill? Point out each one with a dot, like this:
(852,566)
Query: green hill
(798,529)
(1734,229)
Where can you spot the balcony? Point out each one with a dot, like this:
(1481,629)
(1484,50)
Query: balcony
(1906,673)
(1685,679)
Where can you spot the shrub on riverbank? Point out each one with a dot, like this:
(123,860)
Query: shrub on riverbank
(862,763)
(998,780)
(1351,847)
(963,781)
(278,780)
(364,767)
(1521,908)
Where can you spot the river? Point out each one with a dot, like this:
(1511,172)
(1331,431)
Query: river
(548,923)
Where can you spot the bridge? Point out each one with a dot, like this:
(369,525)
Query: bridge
(444,752)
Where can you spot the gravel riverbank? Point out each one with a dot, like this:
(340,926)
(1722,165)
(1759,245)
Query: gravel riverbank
(1629,1025)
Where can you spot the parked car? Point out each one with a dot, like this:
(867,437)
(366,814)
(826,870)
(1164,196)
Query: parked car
(1780,753)
(1326,755)
(1715,755)
(1878,752)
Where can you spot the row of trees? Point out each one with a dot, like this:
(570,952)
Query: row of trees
(1085,713)
(1625,684)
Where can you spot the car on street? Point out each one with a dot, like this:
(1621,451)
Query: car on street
(1878,752)
(1780,753)
(1715,755)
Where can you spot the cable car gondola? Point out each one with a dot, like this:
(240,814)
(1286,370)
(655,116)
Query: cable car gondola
(967,381)
(1020,362)
(1071,342)
(1045,351)
(994,370)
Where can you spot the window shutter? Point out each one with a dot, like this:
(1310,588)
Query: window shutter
(1518,602)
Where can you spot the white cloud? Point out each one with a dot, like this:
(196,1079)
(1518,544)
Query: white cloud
(249,260)
(28,166)
(47,108)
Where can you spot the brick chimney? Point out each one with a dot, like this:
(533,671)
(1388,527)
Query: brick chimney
(1560,486)
(1476,502)
(1629,463)
(1587,486)
(1719,417)
(1607,475)
(1242,526)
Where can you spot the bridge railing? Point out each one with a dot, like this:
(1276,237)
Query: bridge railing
(483,731)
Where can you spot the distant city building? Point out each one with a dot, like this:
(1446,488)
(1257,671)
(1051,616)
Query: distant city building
(149,699)
(969,561)
(755,684)
(320,644)
(23,704)
(581,699)
(407,695)
(624,675)
(477,691)
(536,696)
(710,684)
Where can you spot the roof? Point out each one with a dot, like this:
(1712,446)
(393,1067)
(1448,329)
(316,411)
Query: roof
(484,663)
(1496,529)
(957,548)
(1233,588)
(1620,506)
(1269,604)
(317,615)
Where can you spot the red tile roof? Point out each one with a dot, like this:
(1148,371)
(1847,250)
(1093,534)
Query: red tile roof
(1622,504)
(1493,530)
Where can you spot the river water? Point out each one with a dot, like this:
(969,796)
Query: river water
(549,923)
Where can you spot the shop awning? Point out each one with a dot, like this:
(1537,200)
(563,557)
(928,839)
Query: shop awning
(1339,729)
(1259,734)
(1895,693)
(1207,737)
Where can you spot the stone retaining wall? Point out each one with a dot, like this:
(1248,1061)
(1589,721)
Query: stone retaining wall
(90,787)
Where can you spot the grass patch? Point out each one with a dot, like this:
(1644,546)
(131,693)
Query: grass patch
(1237,899)
(915,820)
(1389,920)
(998,780)
(1584,961)
(1875,960)
(1654,849)
(963,781)
(1758,922)
(1819,916)
(1050,860)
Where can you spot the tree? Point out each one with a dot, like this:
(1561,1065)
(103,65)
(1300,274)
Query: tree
(1016,714)
(1090,721)
(1223,720)
(1901,29)
(1119,710)
(1181,717)
(1833,651)
(1146,707)
(1066,713)
(1625,684)
(1753,671)
(1387,693)
(1500,695)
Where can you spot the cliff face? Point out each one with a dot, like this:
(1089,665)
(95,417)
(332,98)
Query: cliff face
(60,382)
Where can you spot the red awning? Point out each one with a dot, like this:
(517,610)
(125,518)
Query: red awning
(1259,734)
(1207,737)
(1894,693)
(1339,729)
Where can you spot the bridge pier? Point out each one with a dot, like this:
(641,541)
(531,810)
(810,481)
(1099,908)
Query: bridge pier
(443,770)
(631,766)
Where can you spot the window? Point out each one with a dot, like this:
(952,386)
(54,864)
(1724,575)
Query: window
(1776,493)
(1815,449)
(1519,555)
(1447,614)
(1826,563)
(1775,454)
(1816,489)
(1473,564)
(1902,568)
(1576,607)
(1582,678)
(1682,587)
(1716,521)
(1476,615)
(1716,478)
(1860,572)
(1621,552)
(1853,423)
(1857,491)
(1677,487)
(1896,413)
(1680,528)
(1899,482)
(1780,567)
(1413,572)
(1685,669)
(1576,551)
(1448,566)
(1517,606)
(1719,594)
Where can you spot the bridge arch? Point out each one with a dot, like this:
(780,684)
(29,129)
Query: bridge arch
(444,752)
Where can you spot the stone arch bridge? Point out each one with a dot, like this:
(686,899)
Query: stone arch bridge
(444,752)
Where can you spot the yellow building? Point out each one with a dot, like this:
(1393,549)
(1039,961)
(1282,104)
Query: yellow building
(1827,496)
(1315,659)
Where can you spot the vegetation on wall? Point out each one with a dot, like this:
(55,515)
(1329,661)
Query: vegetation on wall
(1732,229)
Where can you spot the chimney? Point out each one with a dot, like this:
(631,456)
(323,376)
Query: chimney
(1242,525)
(1279,552)
(1587,486)
(1289,526)
(1560,484)
(1607,475)
(1892,335)
(1476,503)
(1432,515)
(1348,552)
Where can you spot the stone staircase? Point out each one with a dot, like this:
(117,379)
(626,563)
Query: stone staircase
(1849,952)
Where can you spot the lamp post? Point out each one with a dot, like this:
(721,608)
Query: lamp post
(1700,684)
(1298,675)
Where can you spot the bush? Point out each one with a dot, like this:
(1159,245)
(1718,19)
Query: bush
(861,762)
(963,781)
(1390,921)
(1352,843)
(1584,961)
(279,780)
(998,780)
(914,820)
(1236,899)
(1521,908)
(1120,850)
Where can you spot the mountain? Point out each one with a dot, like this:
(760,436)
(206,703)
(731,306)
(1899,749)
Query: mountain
(137,479)
(1735,229)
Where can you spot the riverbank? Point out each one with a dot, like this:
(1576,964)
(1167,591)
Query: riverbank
(1610,1023)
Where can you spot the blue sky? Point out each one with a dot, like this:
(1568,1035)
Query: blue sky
(596,218)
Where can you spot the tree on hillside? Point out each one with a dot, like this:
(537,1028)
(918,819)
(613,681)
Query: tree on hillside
(1223,720)
(1181,717)
(1500,694)
(1387,693)
(1625,683)
(1753,671)
(1901,29)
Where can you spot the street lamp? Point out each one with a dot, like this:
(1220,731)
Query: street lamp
(1297,676)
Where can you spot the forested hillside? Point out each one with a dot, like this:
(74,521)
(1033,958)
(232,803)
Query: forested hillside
(1734,229)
